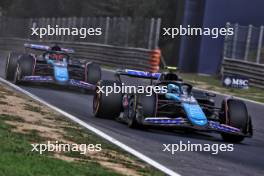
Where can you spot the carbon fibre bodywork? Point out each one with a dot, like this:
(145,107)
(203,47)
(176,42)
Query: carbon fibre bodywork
(52,66)
(179,107)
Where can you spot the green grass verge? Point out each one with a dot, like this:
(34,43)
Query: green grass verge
(16,158)
(213,83)
(3,103)
(80,135)
(36,109)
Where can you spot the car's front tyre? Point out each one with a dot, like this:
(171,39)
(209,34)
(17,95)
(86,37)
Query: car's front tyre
(235,115)
(11,65)
(25,67)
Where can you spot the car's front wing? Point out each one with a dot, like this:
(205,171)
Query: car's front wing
(183,122)
(50,79)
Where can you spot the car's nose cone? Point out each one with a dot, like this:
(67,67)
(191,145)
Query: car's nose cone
(195,114)
(61,74)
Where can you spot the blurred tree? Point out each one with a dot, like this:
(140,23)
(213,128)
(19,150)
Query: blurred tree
(4,4)
(169,10)
(54,8)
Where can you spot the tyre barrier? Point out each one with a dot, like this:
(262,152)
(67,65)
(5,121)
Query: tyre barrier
(155,60)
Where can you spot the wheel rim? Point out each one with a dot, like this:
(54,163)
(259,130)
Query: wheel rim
(17,74)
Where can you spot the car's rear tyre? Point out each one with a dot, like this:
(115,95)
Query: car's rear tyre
(142,106)
(93,73)
(25,67)
(11,65)
(107,106)
(236,115)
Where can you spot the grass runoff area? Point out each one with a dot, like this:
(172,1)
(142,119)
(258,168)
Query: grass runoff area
(213,83)
(24,122)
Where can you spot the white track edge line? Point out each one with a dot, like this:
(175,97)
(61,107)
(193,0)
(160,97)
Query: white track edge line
(96,131)
(210,91)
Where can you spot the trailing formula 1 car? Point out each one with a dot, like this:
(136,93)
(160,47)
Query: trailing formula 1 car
(52,65)
(180,106)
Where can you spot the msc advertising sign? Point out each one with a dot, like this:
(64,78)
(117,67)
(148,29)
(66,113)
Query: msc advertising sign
(236,81)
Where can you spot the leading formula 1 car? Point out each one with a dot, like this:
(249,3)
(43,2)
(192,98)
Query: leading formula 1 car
(180,106)
(53,65)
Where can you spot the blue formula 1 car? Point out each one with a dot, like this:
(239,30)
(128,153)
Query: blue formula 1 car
(51,65)
(179,107)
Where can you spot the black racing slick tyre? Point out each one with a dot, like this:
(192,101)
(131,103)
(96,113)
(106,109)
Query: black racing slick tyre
(11,65)
(141,106)
(148,104)
(236,115)
(132,121)
(93,73)
(107,105)
(25,67)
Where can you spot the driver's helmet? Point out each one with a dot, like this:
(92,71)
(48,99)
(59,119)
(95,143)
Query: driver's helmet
(56,48)
(56,56)
(172,88)
(167,76)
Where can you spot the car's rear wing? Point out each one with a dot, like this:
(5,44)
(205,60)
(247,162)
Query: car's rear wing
(137,74)
(46,48)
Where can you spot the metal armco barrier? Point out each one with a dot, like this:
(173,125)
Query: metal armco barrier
(117,31)
(243,53)
(114,56)
(254,71)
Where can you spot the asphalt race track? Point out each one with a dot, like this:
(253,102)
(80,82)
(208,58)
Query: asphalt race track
(246,159)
